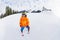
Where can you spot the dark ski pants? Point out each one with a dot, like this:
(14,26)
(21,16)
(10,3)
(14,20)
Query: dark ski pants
(22,28)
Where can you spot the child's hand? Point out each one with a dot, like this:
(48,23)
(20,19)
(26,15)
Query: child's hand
(20,25)
(27,25)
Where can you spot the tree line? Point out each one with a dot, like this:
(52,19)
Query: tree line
(8,11)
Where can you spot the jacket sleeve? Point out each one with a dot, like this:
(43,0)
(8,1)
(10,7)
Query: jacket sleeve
(28,22)
(20,22)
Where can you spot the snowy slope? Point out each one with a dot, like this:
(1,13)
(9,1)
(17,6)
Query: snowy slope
(44,26)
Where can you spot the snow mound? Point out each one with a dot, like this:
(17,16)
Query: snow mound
(44,26)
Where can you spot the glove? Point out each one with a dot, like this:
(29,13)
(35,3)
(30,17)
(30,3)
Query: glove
(20,25)
(27,25)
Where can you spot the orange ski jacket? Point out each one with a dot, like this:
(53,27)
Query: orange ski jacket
(24,21)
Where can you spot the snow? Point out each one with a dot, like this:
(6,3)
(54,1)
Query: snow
(44,26)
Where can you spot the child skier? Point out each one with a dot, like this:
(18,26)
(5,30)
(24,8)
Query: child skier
(24,22)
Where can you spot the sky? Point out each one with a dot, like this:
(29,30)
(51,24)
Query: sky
(31,4)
